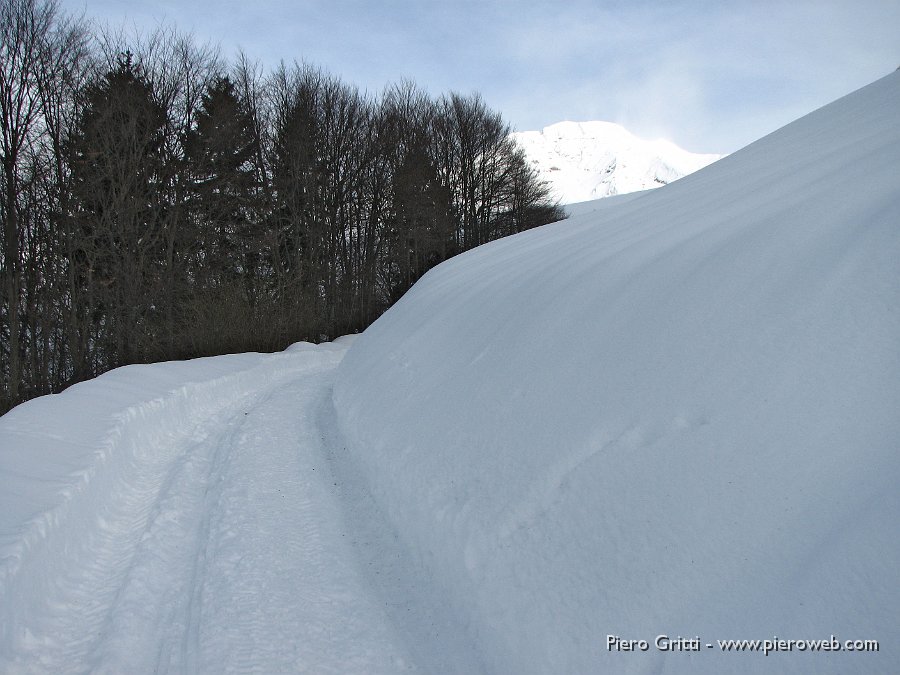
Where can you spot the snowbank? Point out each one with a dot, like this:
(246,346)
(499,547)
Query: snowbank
(677,416)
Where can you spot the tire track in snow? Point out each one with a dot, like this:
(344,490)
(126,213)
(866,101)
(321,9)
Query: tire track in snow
(93,603)
(280,591)
(415,602)
(238,538)
(153,599)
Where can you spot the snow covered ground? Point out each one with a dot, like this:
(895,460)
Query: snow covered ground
(190,517)
(675,413)
(589,160)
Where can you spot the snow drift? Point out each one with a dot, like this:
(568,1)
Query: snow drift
(676,416)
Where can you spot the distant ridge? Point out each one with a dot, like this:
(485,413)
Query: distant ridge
(589,160)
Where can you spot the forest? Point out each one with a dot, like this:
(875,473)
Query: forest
(159,201)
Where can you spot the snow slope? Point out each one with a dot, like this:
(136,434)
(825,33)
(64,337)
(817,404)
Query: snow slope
(674,416)
(589,160)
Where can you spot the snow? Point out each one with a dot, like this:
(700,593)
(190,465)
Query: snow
(673,414)
(183,517)
(582,161)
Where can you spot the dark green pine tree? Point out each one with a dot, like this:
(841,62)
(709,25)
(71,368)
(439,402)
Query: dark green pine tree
(422,225)
(224,191)
(116,154)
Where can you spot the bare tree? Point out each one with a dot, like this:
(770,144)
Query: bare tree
(66,67)
(157,203)
(24,29)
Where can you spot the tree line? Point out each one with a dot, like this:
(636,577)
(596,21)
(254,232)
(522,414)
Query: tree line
(159,202)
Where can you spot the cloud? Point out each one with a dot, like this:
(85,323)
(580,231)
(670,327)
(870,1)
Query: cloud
(711,76)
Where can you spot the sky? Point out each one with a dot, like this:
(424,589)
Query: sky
(709,75)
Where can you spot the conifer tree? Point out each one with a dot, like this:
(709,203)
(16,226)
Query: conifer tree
(220,151)
(117,163)
(422,228)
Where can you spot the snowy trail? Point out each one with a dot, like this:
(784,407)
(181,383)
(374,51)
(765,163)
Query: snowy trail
(239,543)
(674,415)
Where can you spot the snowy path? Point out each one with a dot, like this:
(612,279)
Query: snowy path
(239,544)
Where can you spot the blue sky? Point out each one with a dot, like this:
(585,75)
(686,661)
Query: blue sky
(710,76)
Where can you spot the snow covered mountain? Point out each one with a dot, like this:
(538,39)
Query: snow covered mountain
(611,444)
(589,160)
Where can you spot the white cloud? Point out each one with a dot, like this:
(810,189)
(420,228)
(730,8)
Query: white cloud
(711,76)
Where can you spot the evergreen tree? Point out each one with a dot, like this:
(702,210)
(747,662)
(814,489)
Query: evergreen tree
(220,152)
(224,232)
(117,163)
(297,179)
(422,229)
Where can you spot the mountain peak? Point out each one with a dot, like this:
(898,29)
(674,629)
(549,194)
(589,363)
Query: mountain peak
(588,160)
